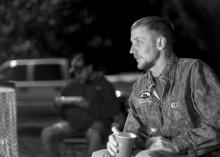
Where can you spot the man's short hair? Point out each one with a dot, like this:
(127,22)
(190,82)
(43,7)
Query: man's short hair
(159,25)
(78,62)
(81,59)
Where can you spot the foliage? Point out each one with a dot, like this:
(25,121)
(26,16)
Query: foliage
(33,28)
(44,28)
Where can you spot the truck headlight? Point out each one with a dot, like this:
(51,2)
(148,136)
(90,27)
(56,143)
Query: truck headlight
(118,93)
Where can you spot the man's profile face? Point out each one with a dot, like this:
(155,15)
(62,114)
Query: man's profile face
(78,69)
(143,47)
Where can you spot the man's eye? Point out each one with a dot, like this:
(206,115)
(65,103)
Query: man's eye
(139,42)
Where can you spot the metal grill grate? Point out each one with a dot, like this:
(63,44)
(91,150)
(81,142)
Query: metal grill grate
(8,121)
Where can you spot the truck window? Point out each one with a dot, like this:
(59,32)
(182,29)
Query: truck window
(17,73)
(48,72)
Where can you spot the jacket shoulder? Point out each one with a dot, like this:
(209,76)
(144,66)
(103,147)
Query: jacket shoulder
(189,63)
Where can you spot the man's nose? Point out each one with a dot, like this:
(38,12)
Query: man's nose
(132,50)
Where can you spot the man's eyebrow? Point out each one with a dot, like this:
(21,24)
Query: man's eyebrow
(136,38)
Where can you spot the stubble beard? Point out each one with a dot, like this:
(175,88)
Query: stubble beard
(149,65)
(146,66)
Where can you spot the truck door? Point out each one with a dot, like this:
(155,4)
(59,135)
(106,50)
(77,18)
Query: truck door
(47,83)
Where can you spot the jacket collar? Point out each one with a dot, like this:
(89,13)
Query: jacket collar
(167,74)
(169,71)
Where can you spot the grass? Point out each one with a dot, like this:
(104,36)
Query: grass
(29,145)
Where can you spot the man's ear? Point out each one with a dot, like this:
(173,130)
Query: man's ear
(161,43)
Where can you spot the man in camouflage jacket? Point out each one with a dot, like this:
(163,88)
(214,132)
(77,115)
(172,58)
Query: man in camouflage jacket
(175,105)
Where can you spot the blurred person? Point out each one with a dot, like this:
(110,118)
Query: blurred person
(88,105)
(175,105)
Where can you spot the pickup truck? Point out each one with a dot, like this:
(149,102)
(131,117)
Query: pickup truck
(39,81)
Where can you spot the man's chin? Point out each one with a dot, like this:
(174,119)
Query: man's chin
(140,67)
(145,67)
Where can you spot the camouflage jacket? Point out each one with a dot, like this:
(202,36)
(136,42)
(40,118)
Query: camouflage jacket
(188,112)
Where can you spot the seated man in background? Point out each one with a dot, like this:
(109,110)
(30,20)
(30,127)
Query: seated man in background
(88,104)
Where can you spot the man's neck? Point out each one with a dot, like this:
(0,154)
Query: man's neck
(159,65)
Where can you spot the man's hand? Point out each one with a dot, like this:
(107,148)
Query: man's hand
(112,145)
(83,103)
(72,100)
(58,101)
(161,143)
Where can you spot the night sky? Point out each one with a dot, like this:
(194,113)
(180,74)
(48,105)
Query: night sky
(196,37)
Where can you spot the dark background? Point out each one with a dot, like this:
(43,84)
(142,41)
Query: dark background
(101,29)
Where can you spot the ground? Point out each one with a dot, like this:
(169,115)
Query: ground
(29,145)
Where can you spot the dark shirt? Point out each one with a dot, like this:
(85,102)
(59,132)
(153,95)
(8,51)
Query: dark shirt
(102,101)
(189,110)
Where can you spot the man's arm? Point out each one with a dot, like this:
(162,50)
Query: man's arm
(133,125)
(206,97)
(77,101)
(104,103)
(70,95)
